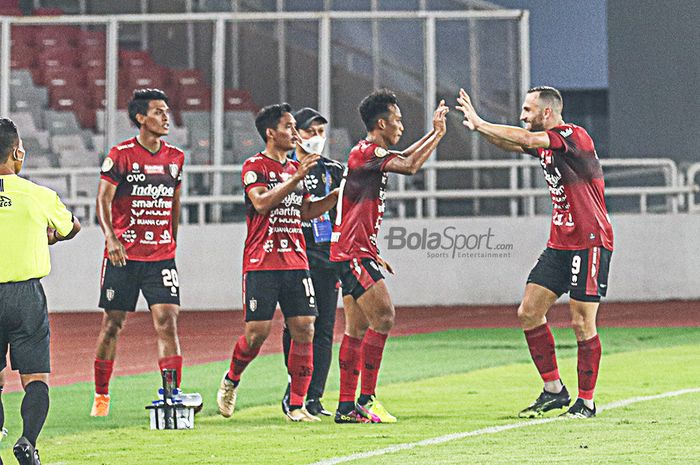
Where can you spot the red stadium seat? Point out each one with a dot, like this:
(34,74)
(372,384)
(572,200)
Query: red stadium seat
(65,98)
(47,12)
(22,35)
(85,116)
(62,77)
(10,11)
(56,57)
(9,3)
(238,100)
(89,58)
(22,56)
(140,77)
(91,39)
(193,99)
(55,36)
(135,59)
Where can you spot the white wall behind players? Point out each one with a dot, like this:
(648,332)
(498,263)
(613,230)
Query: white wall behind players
(655,258)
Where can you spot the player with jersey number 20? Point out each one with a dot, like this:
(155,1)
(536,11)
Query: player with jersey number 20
(577,257)
(138,208)
(275,264)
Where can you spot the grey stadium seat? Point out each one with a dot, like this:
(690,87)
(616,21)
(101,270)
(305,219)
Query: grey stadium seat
(59,184)
(61,122)
(78,158)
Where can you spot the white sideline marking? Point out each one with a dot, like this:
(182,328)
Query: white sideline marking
(493,429)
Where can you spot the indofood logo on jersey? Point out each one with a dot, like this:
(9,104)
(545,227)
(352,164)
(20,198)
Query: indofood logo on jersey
(448,243)
(155,192)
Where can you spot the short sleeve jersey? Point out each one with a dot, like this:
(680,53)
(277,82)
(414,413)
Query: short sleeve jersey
(142,209)
(361,203)
(575,179)
(26,210)
(274,241)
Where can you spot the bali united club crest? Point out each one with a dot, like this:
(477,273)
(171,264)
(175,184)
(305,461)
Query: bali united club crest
(110,294)
(174,170)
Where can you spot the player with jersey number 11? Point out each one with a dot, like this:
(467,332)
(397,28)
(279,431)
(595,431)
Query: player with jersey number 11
(275,264)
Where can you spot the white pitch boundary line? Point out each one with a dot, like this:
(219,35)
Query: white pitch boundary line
(493,429)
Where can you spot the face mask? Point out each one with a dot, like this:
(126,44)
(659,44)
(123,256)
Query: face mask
(313,145)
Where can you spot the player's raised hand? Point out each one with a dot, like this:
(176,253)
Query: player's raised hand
(116,252)
(439,118)
(306,164)
(471,118)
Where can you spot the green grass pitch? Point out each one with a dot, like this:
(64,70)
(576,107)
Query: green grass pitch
(436,384)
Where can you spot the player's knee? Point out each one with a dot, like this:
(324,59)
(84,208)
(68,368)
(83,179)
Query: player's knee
(528,314)
(166,327)
(303,332)
(384,321)
(583,328)
(112,327)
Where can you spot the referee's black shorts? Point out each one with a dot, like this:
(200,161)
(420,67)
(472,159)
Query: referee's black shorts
(24,327)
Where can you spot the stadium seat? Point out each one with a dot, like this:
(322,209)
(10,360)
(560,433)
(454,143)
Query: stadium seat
(91,58)
(22,56)
(135,59)
(198,157)
(61,122)
(78,158)
(55,36)
(62,77)
(238,100)
(239,120)
(22,35)
(91,40)
(177,136)
(245,143)
(66,142)
(198,126)
(9,11)
(39,160)
(46,11)
(122,121)
(56,57)
(27,128)
(193,99)
(21,78)
(58,184)
(141,77)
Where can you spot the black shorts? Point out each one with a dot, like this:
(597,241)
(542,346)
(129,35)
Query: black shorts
(358,275)
(24,327)
(120,286)
(293,289)
(581,273)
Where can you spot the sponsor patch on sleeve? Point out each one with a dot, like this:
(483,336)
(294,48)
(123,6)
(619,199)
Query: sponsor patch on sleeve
(380,152)
(250,178)
(107,164)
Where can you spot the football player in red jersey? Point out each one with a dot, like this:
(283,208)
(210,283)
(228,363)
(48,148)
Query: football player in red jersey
(369,312)
(275,264)
(138,208)
(577,257)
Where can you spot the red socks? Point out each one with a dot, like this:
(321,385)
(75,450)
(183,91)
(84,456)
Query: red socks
(350,360)
(242,356)
(301,367)
(589,352)
(103,372)
(173,362)
(372,351)
(541,344)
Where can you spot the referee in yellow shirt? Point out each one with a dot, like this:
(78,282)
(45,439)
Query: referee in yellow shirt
(31,218)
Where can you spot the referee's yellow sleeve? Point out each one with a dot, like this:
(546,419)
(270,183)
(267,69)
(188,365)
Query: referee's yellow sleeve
(59,217)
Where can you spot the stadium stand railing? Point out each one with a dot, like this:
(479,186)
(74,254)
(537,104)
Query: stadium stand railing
(675,195)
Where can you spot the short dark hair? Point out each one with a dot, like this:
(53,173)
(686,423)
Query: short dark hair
(139,102)
(550,96)
(269,118)
(376,106)
(9,138)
